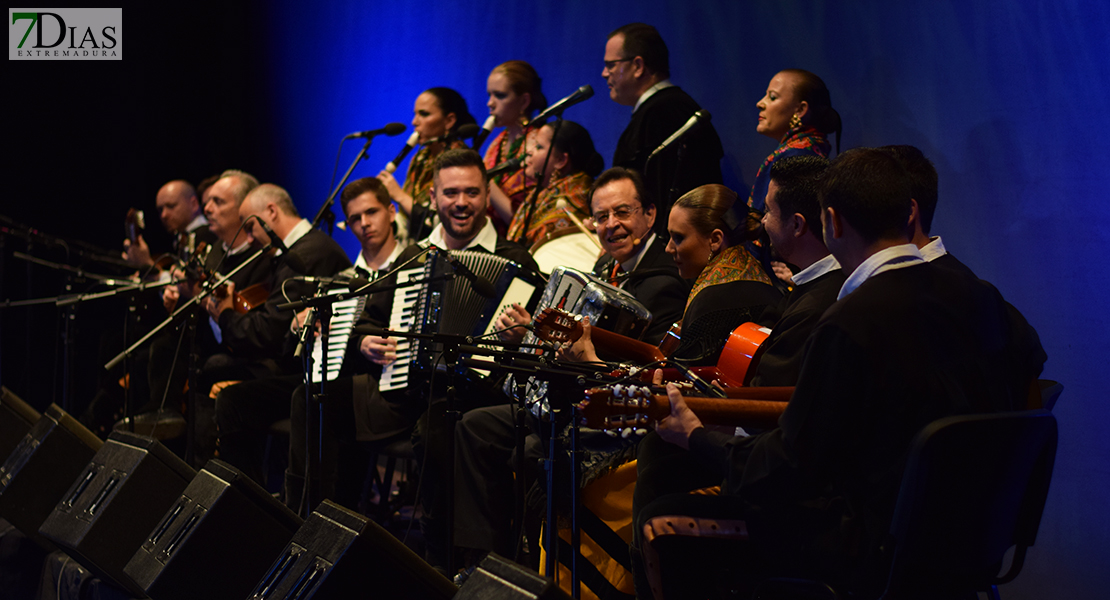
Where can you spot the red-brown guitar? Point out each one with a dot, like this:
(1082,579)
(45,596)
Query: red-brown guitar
(621,406)
(558,326)
(734,368)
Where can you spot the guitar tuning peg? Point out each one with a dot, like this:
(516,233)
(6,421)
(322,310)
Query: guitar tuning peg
(611,433)
(618,390)
(640,431)
(626,433)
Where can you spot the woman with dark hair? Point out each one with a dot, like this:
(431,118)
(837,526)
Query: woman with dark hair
(709,229)
(797,113)
(572,163)
(437,113)
(515,94)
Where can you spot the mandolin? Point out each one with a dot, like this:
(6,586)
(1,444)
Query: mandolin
(621,406)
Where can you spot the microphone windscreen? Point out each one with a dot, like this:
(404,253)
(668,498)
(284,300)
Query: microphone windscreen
(467,130)
(394,129)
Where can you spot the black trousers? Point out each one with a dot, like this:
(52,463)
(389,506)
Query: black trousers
(344,462)
(485,460)
(244,414)
(430,446)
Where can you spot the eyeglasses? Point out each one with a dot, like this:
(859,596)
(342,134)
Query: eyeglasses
(611,64)
(620,213)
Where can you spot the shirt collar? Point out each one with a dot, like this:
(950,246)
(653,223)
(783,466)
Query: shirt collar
(934,249)
(197,222)
(662,85)
(236,250)
(895,257)
(816,270)
(486,238)
(631,264)
(361,263)
(299,230)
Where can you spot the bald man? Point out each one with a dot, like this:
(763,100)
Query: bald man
(181,214)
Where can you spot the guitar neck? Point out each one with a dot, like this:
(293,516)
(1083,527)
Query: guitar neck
(615,344)
(735,411)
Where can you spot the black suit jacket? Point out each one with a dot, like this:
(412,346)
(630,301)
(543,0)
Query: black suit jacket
(381,416)
(653,122)
(907,347)
(656,284)
(261,333)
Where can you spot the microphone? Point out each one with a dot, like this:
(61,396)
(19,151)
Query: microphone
(510,165)
(487,128)
(275,241)
(390,129)
(462,132)
(692,122)
(409,145)
(583,93)
(480,284)
(353,282)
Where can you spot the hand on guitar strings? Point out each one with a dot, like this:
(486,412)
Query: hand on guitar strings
(677,428)
(220,301)
(137,253)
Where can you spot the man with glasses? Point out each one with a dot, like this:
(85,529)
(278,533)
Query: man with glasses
(485,439)
(637,71)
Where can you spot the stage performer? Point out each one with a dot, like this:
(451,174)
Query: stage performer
(636,259)
(515,94)
(182,215)
(797,113)
(437,114)
(572,163)
(246,411)
(817,493)
(460,193)
(637,72)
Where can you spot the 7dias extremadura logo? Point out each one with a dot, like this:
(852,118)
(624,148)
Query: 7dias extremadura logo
(65,34)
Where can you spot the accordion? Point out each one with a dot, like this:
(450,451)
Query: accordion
(450,305)
(608,307)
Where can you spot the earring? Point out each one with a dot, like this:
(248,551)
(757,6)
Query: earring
(556,173)
(795,121)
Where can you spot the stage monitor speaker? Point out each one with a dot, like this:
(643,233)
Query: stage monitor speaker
(41,468)
(216,541)
(111,508)
(499,579)
(341,554)
(16,419)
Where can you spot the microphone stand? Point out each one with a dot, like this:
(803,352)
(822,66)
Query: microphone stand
(561,374)
(543,172)
(674,191)
(325,211)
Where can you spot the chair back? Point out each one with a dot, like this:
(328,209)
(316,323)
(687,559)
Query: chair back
(974,486)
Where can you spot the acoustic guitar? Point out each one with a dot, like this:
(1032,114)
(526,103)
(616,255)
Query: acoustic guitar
(559,326)
(622,406)
(242,301)
(735,367)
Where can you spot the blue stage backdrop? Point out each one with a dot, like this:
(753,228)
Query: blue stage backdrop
(996,95)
